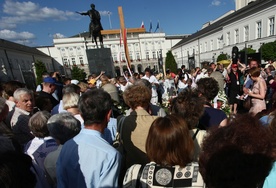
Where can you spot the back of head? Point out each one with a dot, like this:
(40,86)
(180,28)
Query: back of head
(63,127)
(71,88)
(143,82)
(122,79)
(254,71)
(45,75)
(70,100)
(137,96)
(11,86)
(169,141)
(188,105)
(148,70)
(104,79)
(43,103)
(66,81)
(94,106)
(208,88)
(244,147)
(83,86)
(38,124)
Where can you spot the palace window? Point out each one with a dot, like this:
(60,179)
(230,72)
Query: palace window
(246,33)
(259,29)
(228,38)
(271,26)
(237,36)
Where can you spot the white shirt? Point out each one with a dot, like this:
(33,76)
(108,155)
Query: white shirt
(152,79)
(123,87)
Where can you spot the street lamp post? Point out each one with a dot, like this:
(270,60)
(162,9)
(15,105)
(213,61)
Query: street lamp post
(109,13)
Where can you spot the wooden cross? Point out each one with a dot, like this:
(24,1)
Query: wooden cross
(122,30)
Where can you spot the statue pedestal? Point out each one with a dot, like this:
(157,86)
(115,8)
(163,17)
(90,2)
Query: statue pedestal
(100,60)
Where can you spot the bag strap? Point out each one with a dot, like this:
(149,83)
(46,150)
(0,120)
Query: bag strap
(120,127)
(138,183)
(194,136)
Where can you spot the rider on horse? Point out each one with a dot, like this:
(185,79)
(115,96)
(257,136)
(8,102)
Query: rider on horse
(95,25)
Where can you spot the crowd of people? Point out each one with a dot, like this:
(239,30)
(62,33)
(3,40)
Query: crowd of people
(63,133)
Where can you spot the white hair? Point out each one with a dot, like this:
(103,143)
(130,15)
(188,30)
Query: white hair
(21,91)
(70,100)
(63,126)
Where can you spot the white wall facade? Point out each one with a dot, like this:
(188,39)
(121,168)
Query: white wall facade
(230,32)
(242,3)
(144,49)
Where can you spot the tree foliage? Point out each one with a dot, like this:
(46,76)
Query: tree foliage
(248,51)
(40,68)
(78,73)
(222,57)
(170,62)
(268,51)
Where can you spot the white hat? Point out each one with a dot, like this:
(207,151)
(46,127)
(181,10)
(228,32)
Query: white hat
(76,82)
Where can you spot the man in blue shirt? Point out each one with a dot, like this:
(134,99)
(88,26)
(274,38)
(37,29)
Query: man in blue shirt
(88,160)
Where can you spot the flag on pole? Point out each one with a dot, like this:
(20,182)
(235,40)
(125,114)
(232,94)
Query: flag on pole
(125,46)
(150,28)
(157,27)
(142,25)
(119,55)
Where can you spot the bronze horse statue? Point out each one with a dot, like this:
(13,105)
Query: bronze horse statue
(95,25)
(95,31)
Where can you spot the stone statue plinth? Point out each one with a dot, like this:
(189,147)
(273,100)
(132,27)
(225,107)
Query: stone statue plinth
(100,59)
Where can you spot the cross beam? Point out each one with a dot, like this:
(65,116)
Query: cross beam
(124,34)
(117,31)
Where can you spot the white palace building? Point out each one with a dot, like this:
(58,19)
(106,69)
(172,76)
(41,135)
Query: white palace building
(144,49)
(250,25)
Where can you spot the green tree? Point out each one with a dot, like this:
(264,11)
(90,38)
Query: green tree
(40,68)
(78,73)
(268,51)
(222,57)
(170,62)
(248,51)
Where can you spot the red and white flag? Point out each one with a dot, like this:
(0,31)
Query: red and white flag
(142,25)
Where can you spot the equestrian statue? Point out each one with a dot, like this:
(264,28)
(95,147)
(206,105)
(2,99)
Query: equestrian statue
(95,25)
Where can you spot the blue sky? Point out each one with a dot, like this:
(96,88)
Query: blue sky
(36,22)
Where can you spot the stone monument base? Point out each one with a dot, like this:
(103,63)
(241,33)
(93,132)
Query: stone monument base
(100,60)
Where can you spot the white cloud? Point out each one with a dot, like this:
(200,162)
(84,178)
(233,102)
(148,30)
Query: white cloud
(57,36)
(12,35)
(216,3)
(105,13)
(24,12)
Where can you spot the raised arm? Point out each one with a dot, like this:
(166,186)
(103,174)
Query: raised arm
(229,67)
(243,67)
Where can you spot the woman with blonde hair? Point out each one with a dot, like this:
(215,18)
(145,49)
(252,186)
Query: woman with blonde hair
(70,104)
